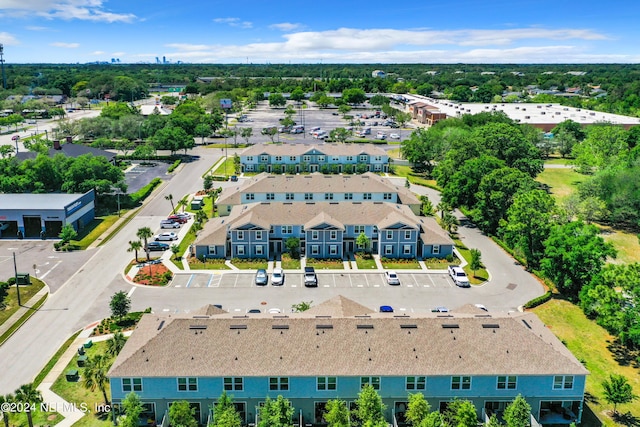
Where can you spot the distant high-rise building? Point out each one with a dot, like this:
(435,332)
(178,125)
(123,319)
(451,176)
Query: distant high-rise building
(164,60)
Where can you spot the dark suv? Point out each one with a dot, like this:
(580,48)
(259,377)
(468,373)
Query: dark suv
(310,278)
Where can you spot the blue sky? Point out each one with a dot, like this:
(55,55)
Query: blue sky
(327,31)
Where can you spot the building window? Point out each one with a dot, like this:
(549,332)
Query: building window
(306,159)
(132,384)
(374,381)
(314,235)
(249,158)
(388,249)
(357,229)
(278,158)
(363,158)
(333,250)
(326,383)
(249,168)
(240,235)
(264,158)
(348,196)
(377,158)
(286,229)
(292,158)
(461,383)
(240,250)
(366,196)
(435,249)
(271,231)
(212,249)
(259,250)
(387,196)
(308,196)
(333,235)
(320,158)
(407,234)
(233,383)
(250,196)
(279,383)
(188,384)
(315,249)
(259,235)
(349,158)
(389,234)
(507,382)
(416,383)
(563,382)
(406,249)
(289,196)
(271,196)
(328,196)
(336,159)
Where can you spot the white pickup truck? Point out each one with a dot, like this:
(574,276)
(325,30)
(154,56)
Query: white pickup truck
(459,276)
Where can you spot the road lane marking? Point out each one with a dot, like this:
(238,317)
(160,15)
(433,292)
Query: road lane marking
(50,270)
(133,288)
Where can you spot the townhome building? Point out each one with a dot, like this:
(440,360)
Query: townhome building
(325,158)
(334,349)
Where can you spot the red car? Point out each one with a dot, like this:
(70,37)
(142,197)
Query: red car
(178,219)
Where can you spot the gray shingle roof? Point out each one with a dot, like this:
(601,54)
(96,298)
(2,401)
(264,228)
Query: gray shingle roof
(306,345)
(302,149)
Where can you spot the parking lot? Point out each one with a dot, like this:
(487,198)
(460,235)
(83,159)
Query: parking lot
(325,280)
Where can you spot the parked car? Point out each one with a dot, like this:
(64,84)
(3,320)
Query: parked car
(157,246)
(381,135)
(392,277)
(394,136)
(262,278)
(167,223)
(254,311)
(440,309)
(277,277)
(386,309)
(458,276)
(310,278)
(166,236)
(185,215)
(314,130)
(178,219)
(275,311)
(233,178)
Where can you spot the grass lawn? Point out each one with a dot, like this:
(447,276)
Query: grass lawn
(230,168)
(557,161)
(325,264)
(94,230)
(593,345)
(400,264)
(365,262)
(210,264)
(39,418)
(74,392)
(440,263)
(481,275)
(51,363)
(395,153)
(289,263)
(418,179)
(11,300)
(250,264)
(626,244)
(561,181)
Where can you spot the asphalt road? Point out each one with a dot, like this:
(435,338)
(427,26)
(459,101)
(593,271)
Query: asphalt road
(84,296)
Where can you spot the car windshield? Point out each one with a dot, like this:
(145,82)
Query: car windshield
(276,274)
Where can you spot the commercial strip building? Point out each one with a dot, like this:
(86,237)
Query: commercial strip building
(44,215)
(335,348)
(326,213)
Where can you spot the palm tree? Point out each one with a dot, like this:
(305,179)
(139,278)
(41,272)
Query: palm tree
(443,207)
(30,396)
(450,222)
(183,202)
(145,233)
(95,374)
(169,197)
(5,415)
(115,344)
(135,246)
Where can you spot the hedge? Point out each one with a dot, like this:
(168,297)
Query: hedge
(174,165)
(144,192)
(540,300)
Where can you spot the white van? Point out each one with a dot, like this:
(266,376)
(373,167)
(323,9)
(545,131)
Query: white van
(314,130)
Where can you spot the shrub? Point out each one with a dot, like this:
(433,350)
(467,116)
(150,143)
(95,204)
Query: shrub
(174,165)
(539,300)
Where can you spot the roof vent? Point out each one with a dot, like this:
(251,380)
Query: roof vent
(279,326)
(198,327)
(408,326)
(490,326)
(323,317)
(161,325)
(238,327)
(401,316)
(526,324)
(364,326)
(241,317)
(324,326)
(200,317)
(450,326)
(365,316)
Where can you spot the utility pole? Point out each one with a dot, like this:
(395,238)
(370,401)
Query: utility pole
(4,77)
(15,270)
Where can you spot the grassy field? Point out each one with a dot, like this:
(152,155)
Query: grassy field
(230,168)
(95,229)
(11,300)
(325,264)
(627,244)
(406,172)
(593,345)
(246,264)
(75,392)
(409,264)
(365,263)
(210,264)
(289,263)
(561,181)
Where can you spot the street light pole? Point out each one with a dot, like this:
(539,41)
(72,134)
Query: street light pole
(15,269)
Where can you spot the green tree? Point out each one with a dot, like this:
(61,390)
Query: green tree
(224,412)
(574,253)
(301,306)
(132,406)
(450,222)
(336,413)
(181,414)
(603,146)
(271,132)
(169,197)
(363,241)
(417,409)
(529,221)
(475,263)
(120,304)
(426,206)
(115,344)
(493,422)
(95,374)
(297,94)
(276,413)
(518,413)
(354,96)
(172,138)
(246,134)
(203,130)
(344,109)
(277,100)
(369,407)
(145,233)
(379,100)
(6,150)
(618,391)
(461,413)
(339,135)
(7,398)
(29,395)
(67,233)
(293,247)
(117,110)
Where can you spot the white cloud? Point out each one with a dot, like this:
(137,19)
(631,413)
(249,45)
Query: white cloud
(98,52)
(233,22)
(8,39)
(65,45)
(35,28)
(87,10)
(285,26)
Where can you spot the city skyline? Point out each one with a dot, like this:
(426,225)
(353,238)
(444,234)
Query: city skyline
(258,32)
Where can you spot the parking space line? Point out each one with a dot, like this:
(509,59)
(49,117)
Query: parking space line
(236,282)
(133,288)
(432,282)
(366,280)
(210,280)
(189,281)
